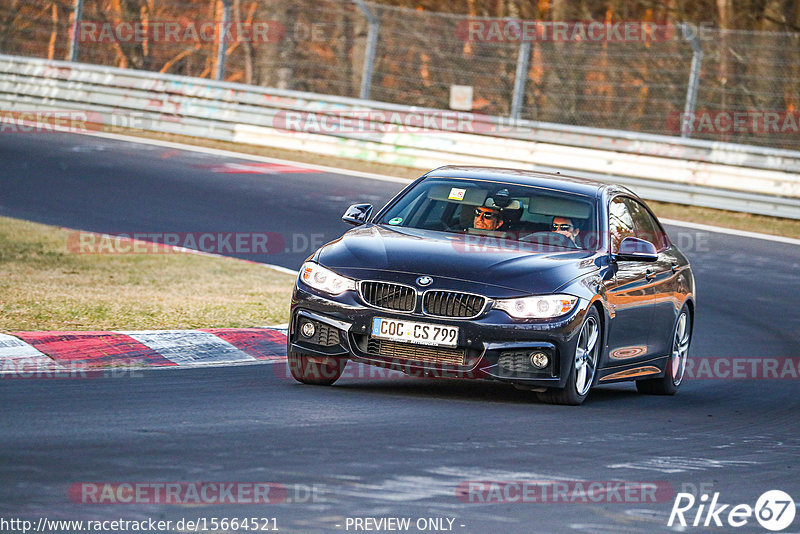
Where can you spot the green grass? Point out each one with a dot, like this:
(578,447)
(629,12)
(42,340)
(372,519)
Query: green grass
(46,287)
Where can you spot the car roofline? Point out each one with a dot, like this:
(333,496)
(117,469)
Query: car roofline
(552,180)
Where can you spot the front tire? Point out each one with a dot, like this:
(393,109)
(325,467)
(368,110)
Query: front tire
(584,364)
(315,370)
(676,365)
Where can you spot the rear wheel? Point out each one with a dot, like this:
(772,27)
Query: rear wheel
(584,365)
(676,365)
(316,370)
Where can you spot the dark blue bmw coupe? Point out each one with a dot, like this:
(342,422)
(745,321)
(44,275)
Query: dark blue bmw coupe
(547,282)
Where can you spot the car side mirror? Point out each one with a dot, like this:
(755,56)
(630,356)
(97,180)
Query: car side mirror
(357,214)
(635,249)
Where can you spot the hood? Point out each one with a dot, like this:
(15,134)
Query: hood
(525,267)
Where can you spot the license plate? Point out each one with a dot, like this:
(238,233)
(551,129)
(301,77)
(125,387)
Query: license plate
(413,332)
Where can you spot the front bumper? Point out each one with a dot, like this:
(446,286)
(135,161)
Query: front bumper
(494,346)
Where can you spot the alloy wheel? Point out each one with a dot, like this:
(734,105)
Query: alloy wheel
(680,349)
(586,356)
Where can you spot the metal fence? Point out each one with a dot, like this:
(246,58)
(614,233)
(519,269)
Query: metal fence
(741,80)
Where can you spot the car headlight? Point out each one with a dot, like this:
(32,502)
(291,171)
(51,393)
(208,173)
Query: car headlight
(318,277)
(539,307)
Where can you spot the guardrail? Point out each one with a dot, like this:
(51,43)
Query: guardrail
(722,175)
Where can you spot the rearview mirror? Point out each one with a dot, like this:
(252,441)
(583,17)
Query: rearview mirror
(357,214)
(635,249)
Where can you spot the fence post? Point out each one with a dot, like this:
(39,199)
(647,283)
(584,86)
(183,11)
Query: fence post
(369,54)
(694,79)
(521,77)
(222,48)
(77,16)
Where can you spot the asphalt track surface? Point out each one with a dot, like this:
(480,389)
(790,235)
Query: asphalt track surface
(379,447)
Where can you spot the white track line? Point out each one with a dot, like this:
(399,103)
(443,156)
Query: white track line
(251,157)
(385,178)
(731,231)
(185,250)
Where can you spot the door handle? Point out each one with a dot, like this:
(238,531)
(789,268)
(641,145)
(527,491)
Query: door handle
(649,274)
(674,266)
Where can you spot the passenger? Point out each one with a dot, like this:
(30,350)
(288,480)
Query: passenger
(564,226)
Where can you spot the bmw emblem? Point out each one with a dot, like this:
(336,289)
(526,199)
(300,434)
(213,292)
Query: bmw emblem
(424,281)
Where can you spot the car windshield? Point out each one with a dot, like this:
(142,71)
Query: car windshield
(501,210)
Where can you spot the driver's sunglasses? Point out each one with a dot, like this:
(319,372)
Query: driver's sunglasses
(562,227)
(488,215)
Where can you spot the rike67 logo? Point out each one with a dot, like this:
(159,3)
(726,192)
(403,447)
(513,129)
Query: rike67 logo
(774,510)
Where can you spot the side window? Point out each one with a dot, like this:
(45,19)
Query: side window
(620,223)
(644,225)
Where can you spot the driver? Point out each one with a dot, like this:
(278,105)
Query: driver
(564,226)
(487,218)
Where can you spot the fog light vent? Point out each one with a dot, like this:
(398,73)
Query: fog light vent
(318,333)
(516,362)
(524,361)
